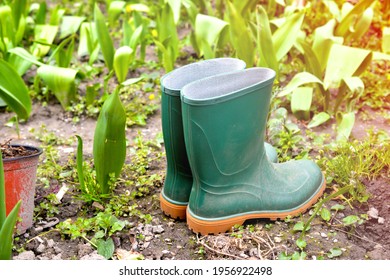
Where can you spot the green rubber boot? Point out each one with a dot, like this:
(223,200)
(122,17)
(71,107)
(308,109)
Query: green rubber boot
(224,120)
(178,181)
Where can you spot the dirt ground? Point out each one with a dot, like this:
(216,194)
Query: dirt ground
(170,239)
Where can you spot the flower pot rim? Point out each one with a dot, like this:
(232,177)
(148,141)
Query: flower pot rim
(28,147)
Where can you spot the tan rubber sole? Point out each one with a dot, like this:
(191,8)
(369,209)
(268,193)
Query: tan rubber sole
(173,210)
(221,226)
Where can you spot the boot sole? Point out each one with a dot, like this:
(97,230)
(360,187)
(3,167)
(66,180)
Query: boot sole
(221,226)
(174,211)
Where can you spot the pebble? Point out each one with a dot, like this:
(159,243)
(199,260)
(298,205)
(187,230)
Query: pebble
(381,220)
(165,252)
(323,234)
(84,249)
(93,256)
(41,248)
(26,255)
(244,256)
(148,238)
(158,229)
(50,243)
(373,213)
(57,257)
(277,239)
(146,245)
(57,249)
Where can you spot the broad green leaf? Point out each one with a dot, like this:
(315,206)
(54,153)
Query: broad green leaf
(88,39)
(386,40)
(2,103)
(19,64)
(350,220)
(70,25)
(344,62)
(24,54)
(109,143)
(44,34)
(296,256)
(337,207)
(345,122)
(104,38)
(325,214)
(122,60)
(241,36)
(7,29)
(61,81)
(13,91)
(286,35)
(56,15)
(6,232)
(301,102)
(106,248)
(311,62)
(62,55)
(175,6)
(323,41)
(114,11)
(335,252)
(192,10)
(299,79)
(80,160)
(300,226)
(301,243)
(362,25)
(207,33)
(132,81)
(351,89)
(347,21)
(318,119)
(138,7)
(264,41)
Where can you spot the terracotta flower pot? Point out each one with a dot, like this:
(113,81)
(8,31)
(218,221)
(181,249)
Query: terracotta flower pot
(20,176)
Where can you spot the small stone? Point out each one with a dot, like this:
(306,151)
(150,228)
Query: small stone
(57,249)
(50,243)
(41,248)
(179,247)
(93,256)
(26,255)
(171,224)
(57,257)
(43,258)
(84,249)
(381,220)
(244,256)
(165,252)
(335,240)
(148,230)
(148,238)
(26,235)
(158,229)
(167,240)
(146,245)
(323,234)
(277,239)
(373,213)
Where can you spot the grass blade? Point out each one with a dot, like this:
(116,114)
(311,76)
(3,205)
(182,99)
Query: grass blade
(14,91)
(79,160)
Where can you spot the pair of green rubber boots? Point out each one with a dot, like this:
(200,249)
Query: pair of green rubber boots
(220,172)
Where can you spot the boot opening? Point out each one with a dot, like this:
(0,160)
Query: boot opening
(177,79)
(228,85)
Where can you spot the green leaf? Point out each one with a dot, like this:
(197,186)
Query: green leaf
(345,122)
(175,6)
(104,38)
(80,160)
(301,243)
(350,220)
(345,62)
(337,207)
(300,226)
(109,144)
(347,22)
(70,25)
(386,40)
(132,81)
(208,30)
(301,102)
(106,248)
(264,41)
(24,54)
(61,81)
(299,79)
(44,36)
(362,25)
(298,256)
(284,256)
(241,36)
(334,252)
(6,232)
(325,214)
(114,11)
(13,91)
(323,41)
(318,119)
(122,60)
(286,35)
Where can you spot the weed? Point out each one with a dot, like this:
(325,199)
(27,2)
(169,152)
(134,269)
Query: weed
(47,208)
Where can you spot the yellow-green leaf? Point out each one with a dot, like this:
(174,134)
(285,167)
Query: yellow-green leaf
(121,62)
(104,37)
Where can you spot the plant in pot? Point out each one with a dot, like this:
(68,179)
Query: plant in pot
(20,168)
(7,223)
